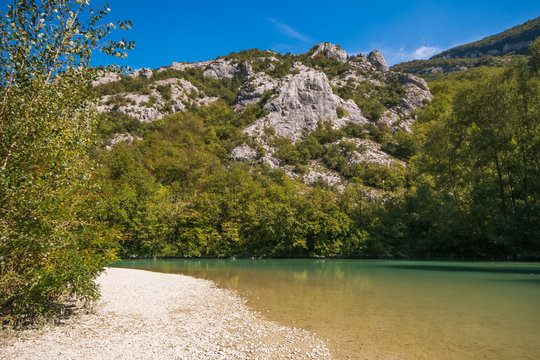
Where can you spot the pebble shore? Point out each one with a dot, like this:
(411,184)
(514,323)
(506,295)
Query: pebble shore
(146,315)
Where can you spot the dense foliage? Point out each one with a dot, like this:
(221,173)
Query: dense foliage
(477,175)
(51,240)
(177,193)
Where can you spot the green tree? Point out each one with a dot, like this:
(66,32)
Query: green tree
(52,242)
(478,172)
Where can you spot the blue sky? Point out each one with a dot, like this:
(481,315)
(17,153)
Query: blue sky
(166,30)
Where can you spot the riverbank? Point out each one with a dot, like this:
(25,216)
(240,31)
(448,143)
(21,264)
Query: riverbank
(146,315)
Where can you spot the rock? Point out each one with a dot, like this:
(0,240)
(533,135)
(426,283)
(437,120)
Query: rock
(434,70)
(141,113)
(406,78)
(317,171)
(121,137)
(271,161)
(330,51)
(361,55)
(106,77)
(252,90)
(246,69)
(370,152)
(181,66)
(348,77)
(220,69)
(295,104)
(417,92)
(141,109)
(144,73)
(459,68)
(377,59)
(362,64)
(243,152)
(515,46)
(301,101)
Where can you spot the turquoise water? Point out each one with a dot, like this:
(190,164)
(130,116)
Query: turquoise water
(389,309)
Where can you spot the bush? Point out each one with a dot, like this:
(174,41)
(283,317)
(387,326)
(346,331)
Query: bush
(341,112)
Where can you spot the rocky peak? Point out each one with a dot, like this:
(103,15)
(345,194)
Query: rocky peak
(220,69)
(377,59)
(144,72)
(329,51)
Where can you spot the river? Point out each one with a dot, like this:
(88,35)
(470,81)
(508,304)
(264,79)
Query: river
(389,309)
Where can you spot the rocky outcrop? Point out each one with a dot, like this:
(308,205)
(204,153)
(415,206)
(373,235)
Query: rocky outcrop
(121,137)
(377,59)
(220,69)
(253,89)
(243,152)
(144,73)
(500,50)
(181,66)
(106,77)
(246,70)
(141,113)
(318,172)
(368,151)
(225,69)
(416,94)
(329,51)
(152,106)
(302,100)
(444,69)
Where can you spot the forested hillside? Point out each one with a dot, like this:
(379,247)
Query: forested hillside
(515,40)
(252,154)
(460,181)
(497,50)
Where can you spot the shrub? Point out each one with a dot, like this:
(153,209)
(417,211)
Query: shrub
(52,241)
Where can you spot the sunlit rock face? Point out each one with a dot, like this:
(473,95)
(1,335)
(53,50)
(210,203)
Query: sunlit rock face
(329,51)
(300,102)
(377,59)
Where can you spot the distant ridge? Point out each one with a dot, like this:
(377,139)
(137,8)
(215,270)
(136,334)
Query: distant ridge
(515,40)
(495,50)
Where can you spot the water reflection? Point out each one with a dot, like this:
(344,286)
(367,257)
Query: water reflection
(388,309)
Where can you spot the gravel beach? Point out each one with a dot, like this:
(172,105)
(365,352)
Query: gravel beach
(146,315)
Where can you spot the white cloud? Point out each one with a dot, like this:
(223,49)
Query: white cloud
(289,31)
(424,52)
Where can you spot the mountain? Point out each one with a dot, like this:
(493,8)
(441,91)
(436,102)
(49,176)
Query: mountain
(515,40)
(262,154)
(495,50)
(350,107)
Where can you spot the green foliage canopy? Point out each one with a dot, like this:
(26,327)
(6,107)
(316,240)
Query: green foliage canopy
(51,241)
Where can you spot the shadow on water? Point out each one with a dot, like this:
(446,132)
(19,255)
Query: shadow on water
(535,280)
(466,268)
